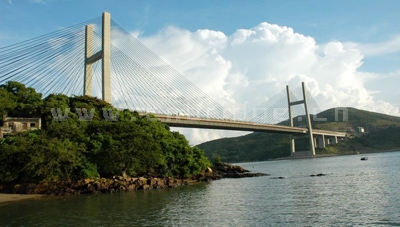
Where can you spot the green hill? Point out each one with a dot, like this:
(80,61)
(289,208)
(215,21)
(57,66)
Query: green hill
(371,121)
(381,133)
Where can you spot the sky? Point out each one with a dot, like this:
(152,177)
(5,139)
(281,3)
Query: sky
(243,52)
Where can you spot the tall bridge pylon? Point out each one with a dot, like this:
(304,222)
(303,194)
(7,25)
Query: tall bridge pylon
(308,119)
(104,54)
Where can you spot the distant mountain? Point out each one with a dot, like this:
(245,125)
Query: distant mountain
(370,121)
(381,132)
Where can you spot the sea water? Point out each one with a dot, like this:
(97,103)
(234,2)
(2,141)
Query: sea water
(351,192)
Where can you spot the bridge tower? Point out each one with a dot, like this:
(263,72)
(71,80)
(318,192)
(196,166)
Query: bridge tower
(103,54)
(308,119)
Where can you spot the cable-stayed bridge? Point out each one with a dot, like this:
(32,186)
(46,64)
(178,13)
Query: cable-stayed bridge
(99,58)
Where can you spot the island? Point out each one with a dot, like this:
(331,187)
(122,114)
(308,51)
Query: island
(71,145)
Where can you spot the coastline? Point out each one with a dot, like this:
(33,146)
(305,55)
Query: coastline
(20,191)
(5,197)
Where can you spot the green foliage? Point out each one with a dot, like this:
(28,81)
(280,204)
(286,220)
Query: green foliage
(345,119)
(383,139)
(121,148)
(54,106)
(217,159)
(33,156)
(89,170)
(180,159)
(383,132)
(20,100)
(7,101)
(84,137)
(252,147)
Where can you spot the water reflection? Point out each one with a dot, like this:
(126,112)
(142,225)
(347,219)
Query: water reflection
(351,193)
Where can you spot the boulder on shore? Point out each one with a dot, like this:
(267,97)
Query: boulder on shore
(92,186)
(120,184)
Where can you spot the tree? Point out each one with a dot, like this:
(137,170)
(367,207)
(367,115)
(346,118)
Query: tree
(181,159)
(34,157)
(28,102)
(121,148)
(55,108)
(7,102)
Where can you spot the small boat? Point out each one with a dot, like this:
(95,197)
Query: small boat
(364,158)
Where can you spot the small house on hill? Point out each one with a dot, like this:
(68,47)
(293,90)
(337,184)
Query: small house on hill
(13,125)
(360,129)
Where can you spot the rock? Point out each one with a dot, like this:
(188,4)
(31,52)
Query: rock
(131,187)
(171,182)
(278,177)
(118,183)
(160,183)
(142,180)
(147,187)
(151,182)
(317,175)
(226,170)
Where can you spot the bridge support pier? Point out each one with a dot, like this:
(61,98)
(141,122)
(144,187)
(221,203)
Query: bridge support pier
(320,141)
(323,140)
(103,54)
(309,126)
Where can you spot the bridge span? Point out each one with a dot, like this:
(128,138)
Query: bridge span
(194,122)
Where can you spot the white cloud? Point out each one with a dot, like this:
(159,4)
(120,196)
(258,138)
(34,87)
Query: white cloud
(377,49)
(246,68)
(384,86)
(195,55)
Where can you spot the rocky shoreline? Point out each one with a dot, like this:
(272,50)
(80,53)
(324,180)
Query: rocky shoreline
(120,184)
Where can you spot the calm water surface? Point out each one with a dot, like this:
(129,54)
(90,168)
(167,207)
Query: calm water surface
(352,193)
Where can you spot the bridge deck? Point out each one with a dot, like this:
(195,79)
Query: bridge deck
(192,122)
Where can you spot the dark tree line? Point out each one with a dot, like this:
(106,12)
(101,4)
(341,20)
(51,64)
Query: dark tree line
(93,139)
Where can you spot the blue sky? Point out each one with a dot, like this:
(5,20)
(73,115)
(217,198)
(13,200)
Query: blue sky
(348,51)
(368,21)
(324,20)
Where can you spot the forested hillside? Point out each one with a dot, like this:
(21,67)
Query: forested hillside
(93,139)
(381,133)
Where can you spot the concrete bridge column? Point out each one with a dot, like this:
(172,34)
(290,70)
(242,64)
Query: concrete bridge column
(321,141)
(310,130)
(292,145)
(292,141)
(104,55)
(309,125)
(88,77)
(332,140)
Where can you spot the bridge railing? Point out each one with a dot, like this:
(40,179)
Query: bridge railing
(184,116)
